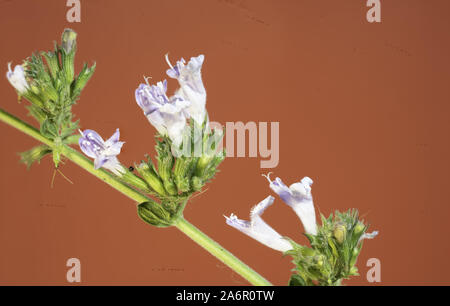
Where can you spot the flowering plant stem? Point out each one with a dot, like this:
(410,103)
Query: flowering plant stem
(182,224)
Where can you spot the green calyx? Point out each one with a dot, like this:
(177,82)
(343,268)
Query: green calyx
(176,177)
(163,214)
(333,253)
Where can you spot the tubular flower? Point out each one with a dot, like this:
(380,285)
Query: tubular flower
(298,197)
(167,115)
(191,85)
(17,78)
(258,229)
(368,236)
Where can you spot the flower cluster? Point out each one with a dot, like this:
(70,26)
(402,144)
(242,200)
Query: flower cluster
(47,80)
(169,114)
(297,196)
(182,124)
(335,245)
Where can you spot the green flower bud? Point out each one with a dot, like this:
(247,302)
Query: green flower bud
(82,79)
(68,54)
(151,178)
(69,38)
(52,62)
(182,184)
(134,180)
(339,232)
(202,164)
(170,187)
(359,228)
(355,254)
(197,183)
(49,93)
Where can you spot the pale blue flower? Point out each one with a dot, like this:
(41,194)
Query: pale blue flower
(17,78)
(191,85)
(258,229)
(298,196)
(104,152)
(167,115)
(368,236)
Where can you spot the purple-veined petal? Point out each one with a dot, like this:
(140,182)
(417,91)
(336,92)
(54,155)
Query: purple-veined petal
(100,161)
(167,115)
(104,153)
(113,165)
(114,138)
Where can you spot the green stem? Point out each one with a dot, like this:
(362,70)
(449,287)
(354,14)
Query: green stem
(182,224)
(218,251)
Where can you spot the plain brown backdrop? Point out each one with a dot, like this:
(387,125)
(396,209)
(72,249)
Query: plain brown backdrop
(363,110)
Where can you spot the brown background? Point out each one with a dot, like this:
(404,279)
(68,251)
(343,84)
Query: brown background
(363,110)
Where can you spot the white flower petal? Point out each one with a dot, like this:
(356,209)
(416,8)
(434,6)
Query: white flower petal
(258,229)
(298,196)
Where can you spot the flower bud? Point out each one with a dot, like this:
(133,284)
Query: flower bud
(203,162)
(359,228)
(354,257)
(68,54)
(52,62)
(135,181)
(69,38)
(151,178)
(182,184)
(197,183)
(339,232)
(82,79)
(170,187)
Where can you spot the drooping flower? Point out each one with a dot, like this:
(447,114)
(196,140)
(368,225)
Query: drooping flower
(167,115)
(17,78)
(298,197)
(258,229)
(191,85)
(368,236)
(104,152)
